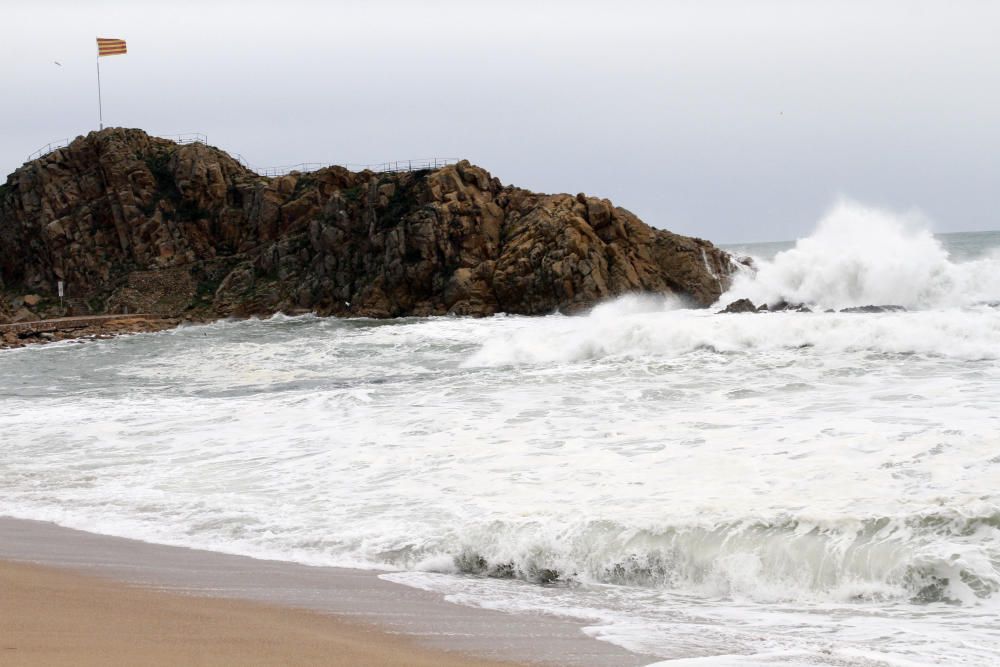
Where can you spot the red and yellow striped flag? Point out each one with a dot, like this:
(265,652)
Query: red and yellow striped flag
(110,47)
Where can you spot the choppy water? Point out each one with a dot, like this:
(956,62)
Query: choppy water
(792,489)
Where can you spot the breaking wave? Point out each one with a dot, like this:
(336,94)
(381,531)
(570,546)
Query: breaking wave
(617,332)
(943,557)
(860,255)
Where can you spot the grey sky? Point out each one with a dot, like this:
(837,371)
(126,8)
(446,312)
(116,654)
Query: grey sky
(734,121)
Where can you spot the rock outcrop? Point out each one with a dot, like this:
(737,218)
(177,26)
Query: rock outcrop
(748,306)
(131,222)
(874,309)
(87,328)
(739,306)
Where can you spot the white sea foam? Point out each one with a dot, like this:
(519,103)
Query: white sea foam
(792,488)
(861,256)
(617,332)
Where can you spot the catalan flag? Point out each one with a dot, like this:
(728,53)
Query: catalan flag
(110,47)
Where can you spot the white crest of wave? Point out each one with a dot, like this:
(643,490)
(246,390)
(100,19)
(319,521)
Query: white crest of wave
(611,328)
(929,558)
(860,255)
(619,329)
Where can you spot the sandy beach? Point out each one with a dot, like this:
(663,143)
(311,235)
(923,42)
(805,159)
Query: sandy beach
(51,616)
(73,597)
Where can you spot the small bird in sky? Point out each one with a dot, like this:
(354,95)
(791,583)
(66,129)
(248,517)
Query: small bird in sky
(57,63)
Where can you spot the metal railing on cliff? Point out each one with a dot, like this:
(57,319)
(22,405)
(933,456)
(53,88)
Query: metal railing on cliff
(378,167)
(187,138)
(48,148)
(303,167)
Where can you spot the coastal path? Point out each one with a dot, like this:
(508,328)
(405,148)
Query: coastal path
(63,323)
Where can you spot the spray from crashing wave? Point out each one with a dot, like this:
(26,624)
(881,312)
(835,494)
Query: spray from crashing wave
(859,256)
(644,330)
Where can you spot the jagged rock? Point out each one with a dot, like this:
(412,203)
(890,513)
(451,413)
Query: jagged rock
(874,309)
(23,315)
(135,222)
(740,306)
(785,306)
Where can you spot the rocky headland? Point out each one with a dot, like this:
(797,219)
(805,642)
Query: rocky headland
(132,223)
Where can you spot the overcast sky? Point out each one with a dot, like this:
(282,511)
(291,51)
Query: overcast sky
(734,121)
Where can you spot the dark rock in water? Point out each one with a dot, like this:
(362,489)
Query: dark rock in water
(135,223)
(740,306)
(874,309)
(784,305)
(747,306)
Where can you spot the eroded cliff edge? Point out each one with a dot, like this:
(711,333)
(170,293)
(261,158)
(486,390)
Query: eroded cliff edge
(134,222)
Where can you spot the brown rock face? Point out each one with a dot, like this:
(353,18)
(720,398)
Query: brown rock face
(135,222)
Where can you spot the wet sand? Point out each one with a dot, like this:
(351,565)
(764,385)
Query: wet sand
(119,601)
(58,617)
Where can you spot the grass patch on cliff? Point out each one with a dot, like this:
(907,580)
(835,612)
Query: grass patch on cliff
(304,181)
(204,293)
(352,194)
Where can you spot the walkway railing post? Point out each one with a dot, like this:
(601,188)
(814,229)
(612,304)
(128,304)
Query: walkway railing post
(304,167)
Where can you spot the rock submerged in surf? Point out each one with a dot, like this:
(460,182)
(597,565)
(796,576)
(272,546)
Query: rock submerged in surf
(874,309)
(785,306)
(739,306)
(748,306)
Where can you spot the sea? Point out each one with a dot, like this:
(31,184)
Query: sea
(791,488)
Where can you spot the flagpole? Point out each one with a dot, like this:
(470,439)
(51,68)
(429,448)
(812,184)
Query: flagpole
(100,110)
